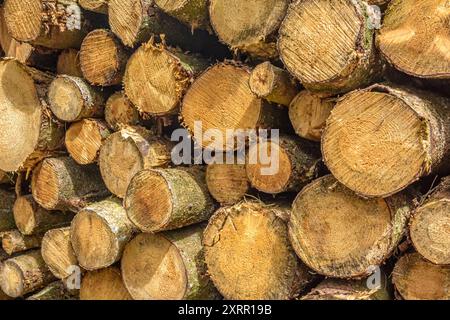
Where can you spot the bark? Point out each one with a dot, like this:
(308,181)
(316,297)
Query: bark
(193,13)
(69,63)
(62,184)
(6,210)
(120,112)
(13,242)
(168,199)
(167,266)
(104,284)
(99,234)
(54,291)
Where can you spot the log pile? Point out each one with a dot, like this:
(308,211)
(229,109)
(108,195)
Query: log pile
(224,149)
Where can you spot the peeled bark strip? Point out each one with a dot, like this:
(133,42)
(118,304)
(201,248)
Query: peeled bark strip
(337,289)
(156,78)
(168,199)
(273,84)
(13,241)
(417,279)
(328,45)
(99,6)
(227,183)
(308,114)
(84,139)
(6,210)
(69,63)
(167,266)
(194,13)
(249,26)
(103,58)
(381,139)
(62,184)
(99,233)
(225,87)
(414,38)
(329,228)
(24,110)
(24,274)
(429,227)
(57,252)
(104,284)
(31,219)
(120,112)
(72,99)
(129,151)
(249,256)
(54,291)
(283,165)
(57,24)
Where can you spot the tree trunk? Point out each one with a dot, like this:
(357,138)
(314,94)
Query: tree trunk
(249,26)
(308,114)
(381,139)
(329,223)
(57,252)
(168,199)
(129,151)
(72,99)
(104,284)
(156,79)
(69,63)
(40,134)
(6,210)
(193,13)
(54,291)
(24,274)
(414,38)
(13,241)
(103,58)
(99,233)
(84,139)
(225,87)
(328,45)
(417,279)
(167,266)
(429,226)
(62,184)
(57,24)
(120,112)
(249,256)
(282,165)
(98,6)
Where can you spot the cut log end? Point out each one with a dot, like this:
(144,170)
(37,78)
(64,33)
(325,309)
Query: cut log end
(105,284)
(45,185)
(227,183)
(120,112)
(69,63)
(24,25)
(99,6)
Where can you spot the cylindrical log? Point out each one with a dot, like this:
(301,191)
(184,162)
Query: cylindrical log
(156,79)
(104,284)
(381,139)
(29,132)
(24,274)
(99,233)
(120,112)
(72,99)
(30,218)
(273,84)
(249,26)
(57,252)
(103,58)
(84,139)
(329,228)
(167,266)
(328,44)
(417,279)
(6,210)
(129,151)
(282,165)
(69,63)
(308,114)
(193,13)
(414,38)
(13,241)
(249,256)
(167,199)
(54,291)
(57,24)
(62,184)
(99,6)
(225,86)
(227,183)
(430,226)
